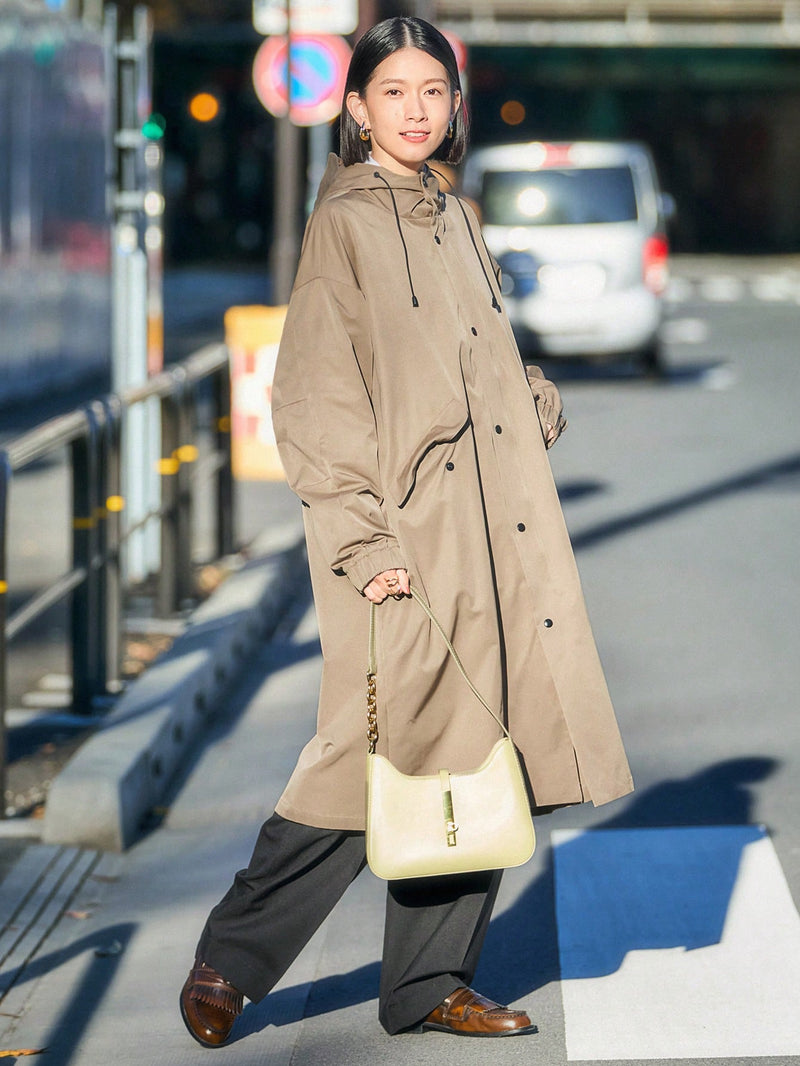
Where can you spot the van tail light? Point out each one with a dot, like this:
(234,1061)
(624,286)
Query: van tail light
(655,256)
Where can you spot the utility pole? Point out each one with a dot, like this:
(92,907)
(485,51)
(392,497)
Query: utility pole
(288,191)
(89,11)
(129,53)
(129,267)
(366,17)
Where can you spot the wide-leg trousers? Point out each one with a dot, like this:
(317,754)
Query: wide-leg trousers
(433,934)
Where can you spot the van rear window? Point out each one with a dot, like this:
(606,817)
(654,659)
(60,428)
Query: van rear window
(568,197)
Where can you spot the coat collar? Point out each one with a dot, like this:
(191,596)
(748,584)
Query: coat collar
(417,196)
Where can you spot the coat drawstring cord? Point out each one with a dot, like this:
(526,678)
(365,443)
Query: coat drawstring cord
(414,300)
(495,304)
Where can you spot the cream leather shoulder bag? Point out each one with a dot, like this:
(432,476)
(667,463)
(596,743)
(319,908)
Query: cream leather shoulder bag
(444,823)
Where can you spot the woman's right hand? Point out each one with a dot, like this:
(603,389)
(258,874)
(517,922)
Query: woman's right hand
(389,583)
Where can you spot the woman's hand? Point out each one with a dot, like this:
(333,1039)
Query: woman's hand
(548,405)
(553,432)
(389,583)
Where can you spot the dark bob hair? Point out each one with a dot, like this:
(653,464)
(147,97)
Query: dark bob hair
(379,42)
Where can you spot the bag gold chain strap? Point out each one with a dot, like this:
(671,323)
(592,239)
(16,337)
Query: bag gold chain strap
(372,693)
(372,673)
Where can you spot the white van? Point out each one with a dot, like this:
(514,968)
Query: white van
(579,231)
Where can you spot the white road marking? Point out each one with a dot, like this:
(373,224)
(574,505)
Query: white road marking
(676,943)
(56,682)
(776,288)
(44,699)
(727,288)
(722,288)
(685,331)
(679,290)
(719,378)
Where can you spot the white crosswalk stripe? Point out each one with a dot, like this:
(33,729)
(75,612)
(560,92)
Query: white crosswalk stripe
(782,287)
(676,943)
(722,289)
(685,331)
(775,289)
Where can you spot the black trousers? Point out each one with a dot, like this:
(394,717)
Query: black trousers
(433,933)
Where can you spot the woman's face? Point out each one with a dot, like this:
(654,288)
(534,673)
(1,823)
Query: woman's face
(407,107)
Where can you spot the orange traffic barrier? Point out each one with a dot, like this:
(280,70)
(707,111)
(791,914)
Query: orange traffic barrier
(252,335)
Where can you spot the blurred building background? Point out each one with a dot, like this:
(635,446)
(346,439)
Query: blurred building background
(55,293)
(713,86)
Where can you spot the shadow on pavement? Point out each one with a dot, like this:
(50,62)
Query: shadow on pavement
(282,651)
(599,372)
(782,472)
(107,948)
(577,489)
(521,950)
(720,795)
(326,995)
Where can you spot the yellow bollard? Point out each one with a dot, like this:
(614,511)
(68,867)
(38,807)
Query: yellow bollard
(252,335)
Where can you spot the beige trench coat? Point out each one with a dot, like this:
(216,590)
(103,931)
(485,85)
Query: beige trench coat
(407,428)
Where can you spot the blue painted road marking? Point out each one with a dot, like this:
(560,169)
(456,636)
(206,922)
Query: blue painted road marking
(676,943)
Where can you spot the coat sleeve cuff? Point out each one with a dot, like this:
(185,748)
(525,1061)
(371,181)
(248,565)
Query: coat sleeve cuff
(373,562)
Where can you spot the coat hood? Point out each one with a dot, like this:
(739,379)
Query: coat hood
(413,198)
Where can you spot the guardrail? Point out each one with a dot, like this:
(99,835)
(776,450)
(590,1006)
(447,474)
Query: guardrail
(95,437)
(624,23)
(778,10)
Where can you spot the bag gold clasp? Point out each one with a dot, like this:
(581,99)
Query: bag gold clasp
(450,826)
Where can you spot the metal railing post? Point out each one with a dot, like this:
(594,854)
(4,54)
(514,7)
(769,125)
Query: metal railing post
(112,502)
(226,518)
(187,457)
(5,478)
(84,601)
(168,468)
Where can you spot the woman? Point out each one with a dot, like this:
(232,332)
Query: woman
(410,433)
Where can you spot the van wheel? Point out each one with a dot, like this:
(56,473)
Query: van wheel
(652,360)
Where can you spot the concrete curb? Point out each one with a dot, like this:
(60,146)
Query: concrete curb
(99,800)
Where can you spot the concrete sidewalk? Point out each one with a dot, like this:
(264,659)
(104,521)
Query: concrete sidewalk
(111,937)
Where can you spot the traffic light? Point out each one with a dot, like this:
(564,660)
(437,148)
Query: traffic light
(154,127)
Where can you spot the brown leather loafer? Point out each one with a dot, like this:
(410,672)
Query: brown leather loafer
(209,1005)
(466,1013)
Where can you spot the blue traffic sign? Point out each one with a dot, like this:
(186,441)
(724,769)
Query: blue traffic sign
(318,73)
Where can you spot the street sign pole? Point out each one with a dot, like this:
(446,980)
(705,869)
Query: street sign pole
(141,437)
(299,78)
(286,244)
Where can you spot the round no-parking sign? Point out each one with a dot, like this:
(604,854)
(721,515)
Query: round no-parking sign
(319,70)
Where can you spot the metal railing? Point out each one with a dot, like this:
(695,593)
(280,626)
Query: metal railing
(94,585)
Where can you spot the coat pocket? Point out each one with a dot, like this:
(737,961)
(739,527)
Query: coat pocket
(447,426)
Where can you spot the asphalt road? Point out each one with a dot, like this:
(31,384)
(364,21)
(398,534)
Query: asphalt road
(684,505)
(663,927)
(682,501)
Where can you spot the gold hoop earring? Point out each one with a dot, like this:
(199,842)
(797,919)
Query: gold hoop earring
(363,132)
(450,131)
